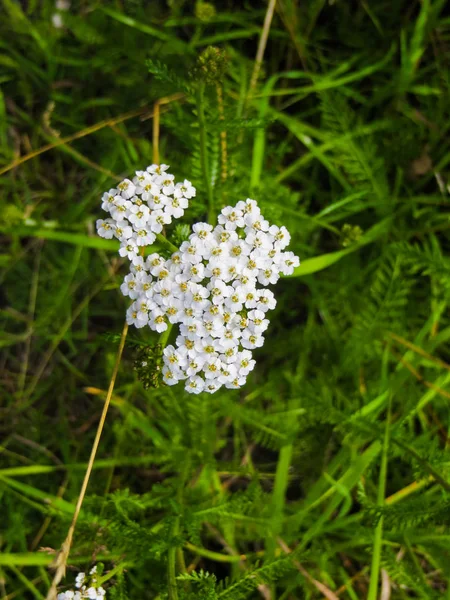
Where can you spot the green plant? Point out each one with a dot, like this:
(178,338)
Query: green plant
(328,473)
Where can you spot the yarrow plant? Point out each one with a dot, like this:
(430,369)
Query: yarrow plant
(213,287)
(86,588)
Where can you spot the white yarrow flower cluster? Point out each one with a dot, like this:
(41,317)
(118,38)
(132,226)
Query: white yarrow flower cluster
(140,208)
(213,288)
(86,588)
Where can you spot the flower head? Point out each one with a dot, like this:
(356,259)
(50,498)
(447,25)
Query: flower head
(214,288)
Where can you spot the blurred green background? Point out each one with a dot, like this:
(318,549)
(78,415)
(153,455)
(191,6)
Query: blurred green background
(337,447)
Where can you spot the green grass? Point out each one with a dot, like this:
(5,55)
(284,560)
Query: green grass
(337,447)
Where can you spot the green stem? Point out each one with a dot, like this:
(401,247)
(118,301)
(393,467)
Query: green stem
(164,337)
(36,593)
(204,151)
(165,243)
(378,538)
(112,573)
(171,564)
(175,551)
(279,496)
(215,556)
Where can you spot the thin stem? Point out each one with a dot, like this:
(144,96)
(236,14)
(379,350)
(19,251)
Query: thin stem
(31,311)
(223,135)
(75,136)
(118,569)
(216,556)
(378,538)
(57,340)
(279,495)
(165,243)
(261,47)
(204,151)
(29,584)
(409,489)
(156,121)
(171,564)
(62,556)
(156,133)
(164,337)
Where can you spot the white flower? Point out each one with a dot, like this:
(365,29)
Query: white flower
(231,218)
(190,252)
(238,248)
(144,237)
(195,272)
(268,275)
(173,357)
(185,189)
(197,297)
(108,199)
(288,263)
(170,375)
(229,338)
(141,177)
(235,301)
(157,320)
(245,362)
(106,228)
(174,311)
(126,188)
(194,365)
(195,385)
(62,4)
(157,169)
(129,248)
(120,208)
(257,321)
(236,383)
(144,283)
(123,231)
(157,219)
(166,181)
(228,373)
(130,287)
(212,368)
(211,386)
(218,290)
(251,339)
(132,316)
(58,23)
(139,215)
(281,236)
(266,300)
(249,207)
(176,207)
(254,222)
(137,265)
